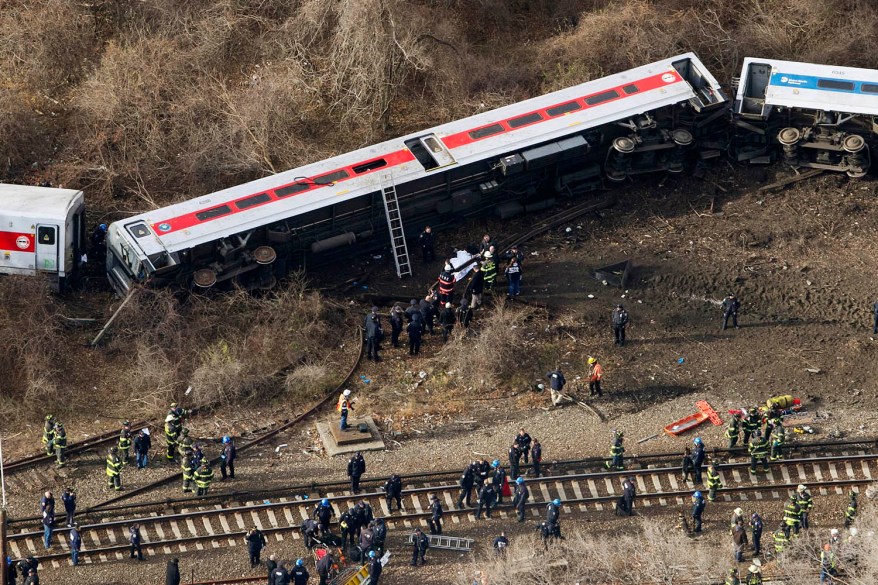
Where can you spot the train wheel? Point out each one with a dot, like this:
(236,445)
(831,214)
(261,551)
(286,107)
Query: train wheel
(264,255)
(789,136)
(624,145)
(204,278)
(853,143)
(682,137)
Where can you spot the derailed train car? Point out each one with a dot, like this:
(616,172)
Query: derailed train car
(521,156)
(817,116)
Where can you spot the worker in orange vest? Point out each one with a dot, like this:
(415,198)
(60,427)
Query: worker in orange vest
(344,404)
(595,374)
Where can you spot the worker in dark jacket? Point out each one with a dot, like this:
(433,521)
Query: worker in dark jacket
(227,458)
(324,567)
(556,385)
(620,321)
(697,510)
(427,243)
(415,330)
(280,575)
(514,460)
(513,276)
(135,542)
(413,310)
(698,458)
(536,457)
(429,311)
(498,478)
(397,317)
(519,500)
(356,469)
(374,334)
(730,309)
(446,284)
(446,320)
(420,544)
(256,541)
(375,568)
(466,485)
(324,513)
(464,313)
(435,515)
(172,573)
(477,286)
(300,574)
(522,440)
(69,499)
(393,491)
(487,498)
(142,444)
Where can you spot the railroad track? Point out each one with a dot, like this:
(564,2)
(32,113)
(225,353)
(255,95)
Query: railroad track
(211,527)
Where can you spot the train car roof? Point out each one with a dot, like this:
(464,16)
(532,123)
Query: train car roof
(354,174)
(31,202)
(820,87)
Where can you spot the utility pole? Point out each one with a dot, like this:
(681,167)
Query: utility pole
(4,574)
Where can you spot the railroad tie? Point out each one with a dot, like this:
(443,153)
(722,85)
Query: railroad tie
(97,544)
(16,552)
(658,488)
(578,493)
(209,527)
(190,524)
(113,541)
(641,488)
(593,488)
(417,504)
(561,493)
(383,503)
(672,479)
(803,477)
(144,535)
(786,474)
(545,491)
(272,518)
(849,469)
(175,528)
(239,520)
(161,534)
(611,489)
(288,514)
(867,473)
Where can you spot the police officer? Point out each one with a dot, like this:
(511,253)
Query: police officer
(427,243)
(415,331)
(756,526)
(356,469)
(256,541)
(536,457)
(464,313)
(429,311)
(203,477)
(498,479)
(520,498)
(393,491)
(397,317)
(616,453)
(435,515)
(514,460)
(620,321)
(374,334)
(628,493)
(420,544)
(466,481)
(553,511)
(413,311)
(69,499)
(280,576)
(523,440)
(324,513)
(134,540)
(60,443)
(300,573)
(698,458)
(75,544)
(714,482)
(375,568)
(730,309)
(758,452)
(487,498)
(114,469)
(733,431)
(347,524)
(805,502)
(447,319)
(697,510)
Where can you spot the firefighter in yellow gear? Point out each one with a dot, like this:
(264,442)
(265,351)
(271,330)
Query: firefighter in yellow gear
(780,539)
(188,473)
(114,469)
(49,435)
(714,482)
(791,516)
(172,433)
(124,442)
(184,444)
(732,578)
(60,444)
(203,477)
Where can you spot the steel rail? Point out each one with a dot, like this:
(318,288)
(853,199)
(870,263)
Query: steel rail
(322,487)
(307,502)
(252,443)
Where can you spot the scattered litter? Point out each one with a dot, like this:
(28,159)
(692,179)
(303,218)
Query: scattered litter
(591,296)
(534,253)
(681,360)
(649,438)
(604,282)
(188,391)
(639,301)
(569,230)
(279,447)
(812,370)
(377,257)
(422,374)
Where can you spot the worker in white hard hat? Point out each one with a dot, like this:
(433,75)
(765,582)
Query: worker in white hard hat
(344,405)
(806,502)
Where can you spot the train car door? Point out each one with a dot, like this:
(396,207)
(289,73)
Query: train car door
(47,248)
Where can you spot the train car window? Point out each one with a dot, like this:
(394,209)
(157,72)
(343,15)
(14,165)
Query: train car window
(370,166)
(563,109)
(486,131)
(600,98)
(630,88)
(525,120)
(834,84)
(869,88)
(139,230)
(253,200)
(46,235)
(212,213)
(292,189)
(332,177)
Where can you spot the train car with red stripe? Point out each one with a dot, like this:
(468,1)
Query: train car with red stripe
(513,159)
(42,231)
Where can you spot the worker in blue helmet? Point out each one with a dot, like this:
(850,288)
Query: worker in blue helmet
(499,480)
(99,237)
(698,504)
(375,568)
(553,511)
(520,498)
(323,514)
(227,458)
(299,574)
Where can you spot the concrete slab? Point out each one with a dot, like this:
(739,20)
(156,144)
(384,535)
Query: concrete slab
(337,442)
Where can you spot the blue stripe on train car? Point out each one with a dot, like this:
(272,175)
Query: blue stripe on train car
(814,82)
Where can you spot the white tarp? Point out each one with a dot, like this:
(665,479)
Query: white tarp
(460,258)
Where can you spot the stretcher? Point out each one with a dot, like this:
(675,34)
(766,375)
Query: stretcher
(705,412)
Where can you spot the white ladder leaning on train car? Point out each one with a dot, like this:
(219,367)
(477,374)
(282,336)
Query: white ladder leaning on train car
(394,226)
